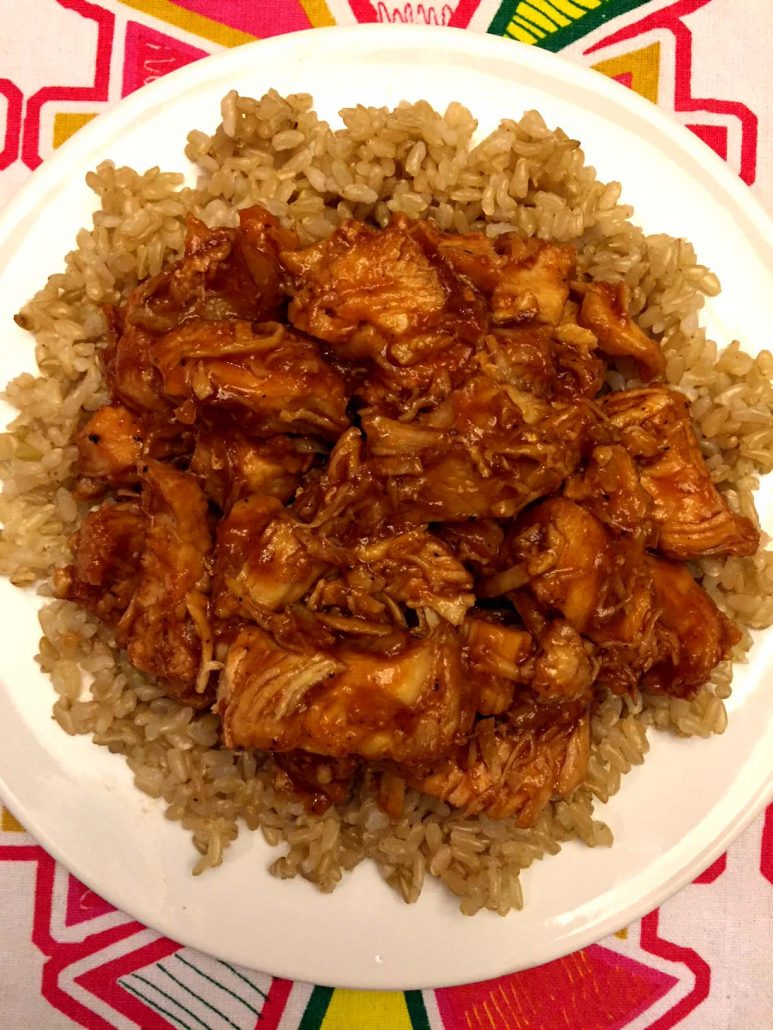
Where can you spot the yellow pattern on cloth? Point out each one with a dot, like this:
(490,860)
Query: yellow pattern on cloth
(66,124)
(318,13)
(198,24)
(366,1010)
(535,20)
(9,823)
(642,65)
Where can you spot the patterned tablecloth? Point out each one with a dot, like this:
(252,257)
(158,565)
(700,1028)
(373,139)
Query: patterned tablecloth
(703,960)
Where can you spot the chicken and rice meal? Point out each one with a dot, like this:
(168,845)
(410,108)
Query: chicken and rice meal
(385,491)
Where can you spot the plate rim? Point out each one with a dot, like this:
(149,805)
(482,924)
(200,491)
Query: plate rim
(149,96)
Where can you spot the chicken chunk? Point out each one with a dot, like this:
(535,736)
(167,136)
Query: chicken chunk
(522,359)
(601,585)
(524,279)
(514,766)
(580,368)
(564,668)
(408,704)
(545,362)
(319,781)
(474,457)
(262,561)
(696,635)
(106,567)
(475,543)
(132,378)
(109,446)
(231,465)
(610,486)
(402,390)
(165,628)
(496,657)
(261,239)
(269,378)
(221,275)
(347,502)
(692,518)
(378,296)
(604,311)
(533,282)
(419,569)
(566,557)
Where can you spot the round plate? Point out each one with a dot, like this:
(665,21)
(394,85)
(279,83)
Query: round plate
(674,815)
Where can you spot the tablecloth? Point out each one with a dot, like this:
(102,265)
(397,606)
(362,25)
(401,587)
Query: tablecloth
(703,960)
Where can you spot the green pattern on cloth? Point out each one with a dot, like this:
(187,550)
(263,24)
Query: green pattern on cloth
(554,24)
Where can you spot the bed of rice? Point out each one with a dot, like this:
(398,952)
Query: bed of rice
(277,152)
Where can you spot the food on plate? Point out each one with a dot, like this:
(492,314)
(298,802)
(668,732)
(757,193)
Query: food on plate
(365,476)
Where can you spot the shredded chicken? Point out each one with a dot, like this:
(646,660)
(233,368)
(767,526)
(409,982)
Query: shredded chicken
(109,446)
(232,465)
(604,311)
(378,296)
(515,765)
(369,500)
(162,628)
(403,698)
(693,518)
(265,376)
(107,549)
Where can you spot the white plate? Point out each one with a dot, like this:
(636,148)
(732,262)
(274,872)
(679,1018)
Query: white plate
(674,815)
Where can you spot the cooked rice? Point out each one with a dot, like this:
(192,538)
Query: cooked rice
(276,152)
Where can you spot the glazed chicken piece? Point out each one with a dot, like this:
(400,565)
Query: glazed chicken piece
(231,465)
(564,668)
(472,256)
(580,368)
(132,378)
(692,518)
(270,378)
(569,563)
(533,282)
(564,556)
(165,628)
(514,766)
(376,580)
(347,502)
(696,635)
(224,274)
(419,570)
(267,239)
(496,658)
(263,561)
(221,275)
(474,456)
(261,240)
(522,359)
(106,566)
(317,780)
(377,296)
(475,543)
(403,698)
(611,488)
(604,311)
(547,362)
(352,601)
(109,448)
(403,390)
(524,279)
